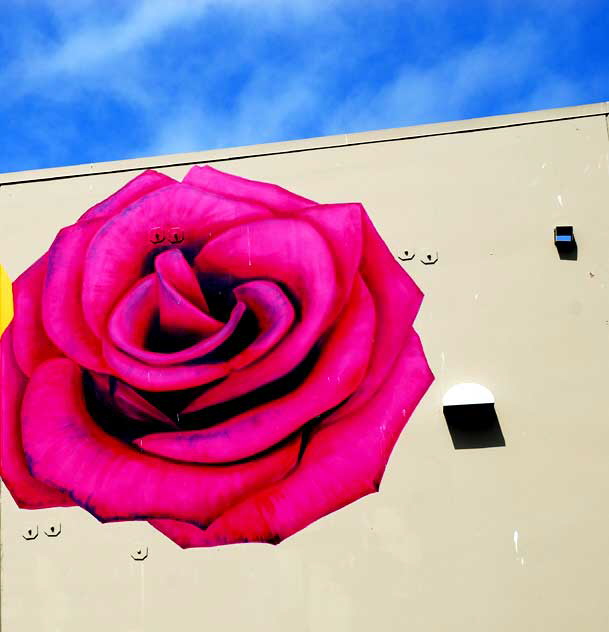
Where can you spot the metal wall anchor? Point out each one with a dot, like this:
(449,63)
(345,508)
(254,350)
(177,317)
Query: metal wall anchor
(176,235)
(156,235)
(429,259)
(408,255)
(31,535)
(140,555)
(53,531)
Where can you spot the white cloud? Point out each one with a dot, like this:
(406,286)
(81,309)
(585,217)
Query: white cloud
(96,42)
(91,39)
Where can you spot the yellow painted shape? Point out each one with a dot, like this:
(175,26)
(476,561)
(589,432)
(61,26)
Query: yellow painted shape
(6,300)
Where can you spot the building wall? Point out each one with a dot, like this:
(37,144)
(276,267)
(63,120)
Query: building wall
(505,538)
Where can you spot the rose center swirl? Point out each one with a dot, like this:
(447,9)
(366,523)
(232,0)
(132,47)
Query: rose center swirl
(178,316)
(223,353)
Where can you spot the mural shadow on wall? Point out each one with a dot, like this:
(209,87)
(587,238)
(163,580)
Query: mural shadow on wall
(474,426)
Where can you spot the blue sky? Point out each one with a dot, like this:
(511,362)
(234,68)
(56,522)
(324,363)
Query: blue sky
(86,81)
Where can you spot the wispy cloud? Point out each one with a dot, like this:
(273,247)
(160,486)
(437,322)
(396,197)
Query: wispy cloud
(447,89)
(91,38)
(96,45)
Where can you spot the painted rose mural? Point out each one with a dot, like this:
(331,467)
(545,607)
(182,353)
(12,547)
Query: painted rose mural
(220,357)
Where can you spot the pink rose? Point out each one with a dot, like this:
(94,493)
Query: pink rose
(220,357)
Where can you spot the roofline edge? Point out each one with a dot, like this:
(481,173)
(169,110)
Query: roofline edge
(309,144)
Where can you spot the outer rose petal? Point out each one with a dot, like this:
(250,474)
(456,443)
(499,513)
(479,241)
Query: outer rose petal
(61,303)
(32,347)
(341,225)
(397,300)
(111,268)
(27,492)
(336,375)
(113,481)
(270,195)
(62,309)
(343,462)
(184,534)
(141,185)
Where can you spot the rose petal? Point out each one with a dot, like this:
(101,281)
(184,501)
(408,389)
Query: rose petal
(274,314)
(132,317)
(32,346)
(184,534)
(341,463)
(62,309)
(289,251)
(227,185)
(181,311)
(27,492)
(131,320)
(158,379)
(179,316)
(336,375)
(112,480)
(141,185)
(116,257)
(62,312)
(341,225)
(397,300)
(174,272)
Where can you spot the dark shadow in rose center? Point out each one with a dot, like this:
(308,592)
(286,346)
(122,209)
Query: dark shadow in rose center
(213,415)
(190,251)
(218,292)
(161,340)
(165,340)
(112,421)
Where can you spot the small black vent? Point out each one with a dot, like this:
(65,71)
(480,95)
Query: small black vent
(474,426)
(565,243)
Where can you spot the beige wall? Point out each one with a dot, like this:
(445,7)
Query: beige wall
(436,549)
